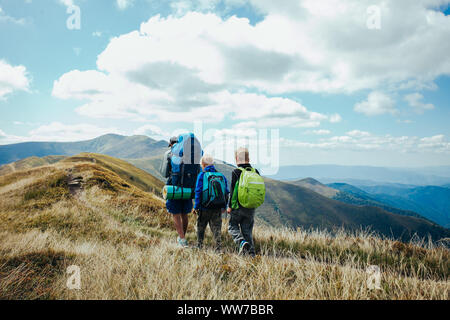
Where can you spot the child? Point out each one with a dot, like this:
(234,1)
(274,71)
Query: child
(211,194)
(242,219)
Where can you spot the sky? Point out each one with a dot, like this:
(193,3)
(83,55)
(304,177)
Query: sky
(302,82)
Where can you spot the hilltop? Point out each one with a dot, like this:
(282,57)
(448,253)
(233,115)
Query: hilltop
(125,147)
(105,216)
(316,186)
(29,163)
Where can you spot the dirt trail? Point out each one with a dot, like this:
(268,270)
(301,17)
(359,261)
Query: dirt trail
(75,184)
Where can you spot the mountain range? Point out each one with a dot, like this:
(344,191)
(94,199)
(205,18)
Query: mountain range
(287,204)
(366,175)
(105,216)
(431,202)
(111,144)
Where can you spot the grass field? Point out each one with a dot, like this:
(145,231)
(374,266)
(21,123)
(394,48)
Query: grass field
(114,227)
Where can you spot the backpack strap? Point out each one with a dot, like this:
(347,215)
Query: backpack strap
(251,169)
(192,149)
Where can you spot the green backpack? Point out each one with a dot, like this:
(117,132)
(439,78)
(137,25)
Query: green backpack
(251,190)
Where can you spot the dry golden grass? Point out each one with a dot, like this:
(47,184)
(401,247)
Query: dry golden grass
(124,243)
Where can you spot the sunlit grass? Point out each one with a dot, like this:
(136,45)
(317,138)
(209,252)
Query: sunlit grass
(124,243)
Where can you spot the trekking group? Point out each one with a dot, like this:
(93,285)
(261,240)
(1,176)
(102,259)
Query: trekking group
(191,175)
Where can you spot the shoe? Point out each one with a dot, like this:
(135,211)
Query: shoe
(243,246)
(182,242)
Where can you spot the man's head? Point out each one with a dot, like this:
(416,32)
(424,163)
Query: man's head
(207,160)
(172,141)
(242,156)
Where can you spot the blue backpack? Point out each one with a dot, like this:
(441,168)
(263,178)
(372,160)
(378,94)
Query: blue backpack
(185,161)
(214,191)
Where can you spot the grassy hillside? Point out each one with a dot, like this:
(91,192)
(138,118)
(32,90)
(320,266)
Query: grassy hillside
(151,165)
(432,202)
(295,206)
(316,186)
(298,206)
(110,144)
(353,195)
(123,241)
(28,163)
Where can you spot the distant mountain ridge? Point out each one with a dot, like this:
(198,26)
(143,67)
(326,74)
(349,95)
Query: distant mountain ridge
(365,175)
(28,163)
(432,202)
(351,195)
(125,147)
(286,204)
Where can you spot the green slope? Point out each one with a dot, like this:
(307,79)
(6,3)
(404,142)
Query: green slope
(28,163)
(110,144)
(133,175)
(433,202)
(295,206)
(353,195)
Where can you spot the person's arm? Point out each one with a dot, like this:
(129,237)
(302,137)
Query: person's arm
(227,192)
(232,185)
(198,191)
(164,165)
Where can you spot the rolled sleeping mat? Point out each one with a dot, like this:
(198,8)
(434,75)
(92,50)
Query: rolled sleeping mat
(177,193)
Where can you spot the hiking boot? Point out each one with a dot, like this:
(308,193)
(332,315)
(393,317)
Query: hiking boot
(243,247)
(182,243)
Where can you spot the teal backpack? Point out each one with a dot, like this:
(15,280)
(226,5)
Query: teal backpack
(214,191)
(251,190)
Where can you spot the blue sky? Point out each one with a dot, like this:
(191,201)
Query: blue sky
(338,91)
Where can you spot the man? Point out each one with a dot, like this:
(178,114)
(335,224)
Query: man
(242,219)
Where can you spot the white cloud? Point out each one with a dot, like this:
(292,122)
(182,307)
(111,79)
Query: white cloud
(6,18)
(415,101)
(335,118)
(66,3)
(12,78)
(117,97)
(124,4)
(358,133)
(436,142)
(321,132)
(348,61)
(174,67)
(201,66)
(364,141)
(377,103)
(153,131)
(57,131)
